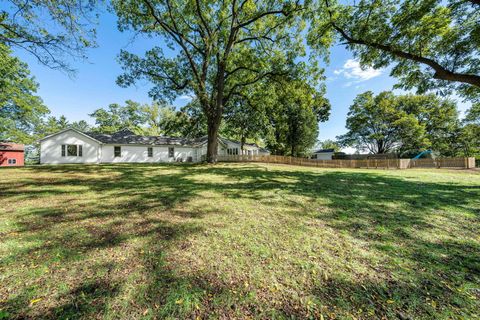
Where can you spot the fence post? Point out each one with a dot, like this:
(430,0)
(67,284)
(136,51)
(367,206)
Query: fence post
(470,162)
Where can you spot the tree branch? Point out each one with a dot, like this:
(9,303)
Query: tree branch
(441,73)
(178,38)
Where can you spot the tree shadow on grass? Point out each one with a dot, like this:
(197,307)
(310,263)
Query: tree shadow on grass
(385,212)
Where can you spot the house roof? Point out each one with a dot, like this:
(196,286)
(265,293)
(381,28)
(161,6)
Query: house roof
(65,130)
(128,137)
(324,151)
(8,146)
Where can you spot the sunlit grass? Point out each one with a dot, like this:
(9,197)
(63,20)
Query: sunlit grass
(238,241)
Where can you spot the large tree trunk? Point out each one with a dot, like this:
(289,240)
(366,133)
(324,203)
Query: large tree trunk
(215,115)
(212,143)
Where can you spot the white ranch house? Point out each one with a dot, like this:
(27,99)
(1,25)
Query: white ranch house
(73,146)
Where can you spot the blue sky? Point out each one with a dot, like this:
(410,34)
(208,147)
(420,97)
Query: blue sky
(94,85)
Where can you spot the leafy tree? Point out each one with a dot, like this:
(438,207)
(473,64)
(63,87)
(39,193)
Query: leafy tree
(405,124)
(469,136)
(53,125)
(473,114)
(81,125)
(117,117)
(434,45)
(152,114)
(21,110)
(294,111)
(219,48)
(188,122)
(50,30)
(329,144)
(193,122)
(245,118)
(375,123)
(438,117)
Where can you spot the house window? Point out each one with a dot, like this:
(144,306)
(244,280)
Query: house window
(171,152)
(117,151)
(72,150)
(150,151)
(12,161)
(232,151)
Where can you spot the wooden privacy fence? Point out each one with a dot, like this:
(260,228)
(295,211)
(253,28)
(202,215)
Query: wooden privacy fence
(464,163)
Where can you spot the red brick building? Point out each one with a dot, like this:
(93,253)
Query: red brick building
(11,154)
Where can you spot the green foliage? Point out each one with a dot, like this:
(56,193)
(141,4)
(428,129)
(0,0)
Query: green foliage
(432,45)
(294,109)
(117,117)
(21,110)
(219,48)
(438,117)
(188,122)
(50,30)
(469,135)
(328,144)
(473,114)
(405,124)
(151,119)
(245,117)
(81,125)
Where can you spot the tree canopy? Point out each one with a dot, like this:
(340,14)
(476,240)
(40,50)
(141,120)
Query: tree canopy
(117,117)
(50,30)
(405,124)
(329,144)
(469,135)
(293,110)
(433,45)
(218,48)
(21,109)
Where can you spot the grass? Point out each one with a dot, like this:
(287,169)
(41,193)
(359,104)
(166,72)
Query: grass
(238,241)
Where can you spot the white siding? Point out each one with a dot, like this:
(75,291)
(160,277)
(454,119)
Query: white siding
(324,155)
(137,153)
(94,152)
(51,148)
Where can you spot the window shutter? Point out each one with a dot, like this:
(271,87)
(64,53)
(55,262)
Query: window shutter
(80,150)
(63,150)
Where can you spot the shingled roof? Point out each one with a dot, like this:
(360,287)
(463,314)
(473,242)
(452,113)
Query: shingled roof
(325,151)
(8,146)
(128,137)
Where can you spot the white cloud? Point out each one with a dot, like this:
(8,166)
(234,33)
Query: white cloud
(185,97)
(352,70)
(349,150)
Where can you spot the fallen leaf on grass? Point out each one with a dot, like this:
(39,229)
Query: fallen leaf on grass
(32,302)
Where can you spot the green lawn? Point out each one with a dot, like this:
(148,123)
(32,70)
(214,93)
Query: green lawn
(238,241)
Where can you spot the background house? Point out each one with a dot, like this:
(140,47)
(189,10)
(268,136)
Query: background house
(323,154)
(11,154)
(73,146)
